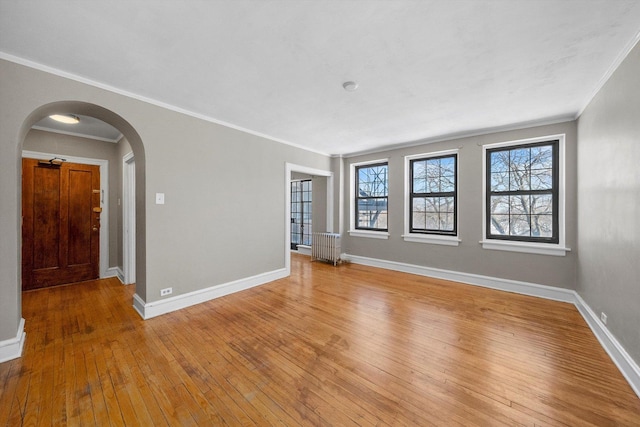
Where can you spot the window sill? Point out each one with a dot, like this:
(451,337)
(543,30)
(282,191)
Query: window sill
(530,248)
(369,234)
(432,239)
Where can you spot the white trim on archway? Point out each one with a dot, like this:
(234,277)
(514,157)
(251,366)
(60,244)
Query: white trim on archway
(129,218)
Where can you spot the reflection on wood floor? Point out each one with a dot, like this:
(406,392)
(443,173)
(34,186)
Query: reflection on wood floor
(346,345)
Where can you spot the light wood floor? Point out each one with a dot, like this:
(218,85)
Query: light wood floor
(341,346)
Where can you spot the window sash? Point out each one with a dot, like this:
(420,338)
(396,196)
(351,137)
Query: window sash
(371,199)
(435,195)
(526,214)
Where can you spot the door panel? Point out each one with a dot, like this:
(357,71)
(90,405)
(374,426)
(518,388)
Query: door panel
(80,194)
(46,215)
(60,230)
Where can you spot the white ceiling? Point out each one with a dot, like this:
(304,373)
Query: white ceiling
(426,69)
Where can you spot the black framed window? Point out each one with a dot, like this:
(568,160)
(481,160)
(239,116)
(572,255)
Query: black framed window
(301,209)
(433,195)
(522,192)
(372,190)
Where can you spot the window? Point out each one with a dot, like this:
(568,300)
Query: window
(432,195)
(301,231)
(522,192)
(371,196)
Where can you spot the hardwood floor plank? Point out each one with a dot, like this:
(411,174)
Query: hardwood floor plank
(345,346)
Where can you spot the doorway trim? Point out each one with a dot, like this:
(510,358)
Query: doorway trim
(105,271)
(290,167)
(128,219)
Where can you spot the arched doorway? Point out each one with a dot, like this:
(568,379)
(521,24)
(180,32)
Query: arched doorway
(115,120)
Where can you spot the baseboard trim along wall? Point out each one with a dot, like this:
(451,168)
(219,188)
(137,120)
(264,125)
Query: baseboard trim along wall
(627,366)
(114,272)
(12,348)
(157,308)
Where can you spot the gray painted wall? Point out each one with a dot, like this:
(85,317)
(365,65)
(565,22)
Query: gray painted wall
(469,256)
(608,267)
(66,145)
(207,233)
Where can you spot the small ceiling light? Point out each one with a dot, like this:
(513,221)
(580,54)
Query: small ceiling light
(350,86)
(66,118)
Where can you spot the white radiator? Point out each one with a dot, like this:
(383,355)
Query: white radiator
(326,247)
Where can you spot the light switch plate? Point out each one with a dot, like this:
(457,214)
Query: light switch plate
(159,198)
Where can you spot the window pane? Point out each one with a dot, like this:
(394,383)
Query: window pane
(446,204)
(542,157)
(541,179)
(519,180)
(500,181)
(419,220)
(519,225)
(419,169)
(542,204)
(542,225)
(372,181)
(418,204)
(419,185)
(432,204)
(500,224)
(500,161)
(499,204)
(447,183)
(519,159)
(372,213)
(446,221)
(433,221)
(519,205)
(448,166)
(433,169)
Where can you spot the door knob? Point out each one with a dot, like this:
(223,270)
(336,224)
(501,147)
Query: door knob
(95,228)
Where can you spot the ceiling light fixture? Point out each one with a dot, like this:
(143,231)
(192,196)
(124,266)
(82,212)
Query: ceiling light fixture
(66,118)
(350,86)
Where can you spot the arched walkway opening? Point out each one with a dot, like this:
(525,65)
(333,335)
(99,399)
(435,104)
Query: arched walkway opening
(132,136)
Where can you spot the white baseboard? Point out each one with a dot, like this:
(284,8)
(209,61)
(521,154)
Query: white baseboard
(114,272)
(157,308)
(533,289)
(12,348)
(627,366)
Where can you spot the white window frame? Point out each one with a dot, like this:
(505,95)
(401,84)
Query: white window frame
(433,239)
(372,234)
(555,249)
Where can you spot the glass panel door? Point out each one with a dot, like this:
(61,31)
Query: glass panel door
(301,228)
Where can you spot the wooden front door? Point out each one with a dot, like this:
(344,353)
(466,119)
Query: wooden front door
(60,223)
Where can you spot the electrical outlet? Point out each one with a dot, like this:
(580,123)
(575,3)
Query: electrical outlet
(603,317)
(165,292)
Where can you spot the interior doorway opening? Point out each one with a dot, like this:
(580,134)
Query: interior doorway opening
(88,146)
(322,206)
